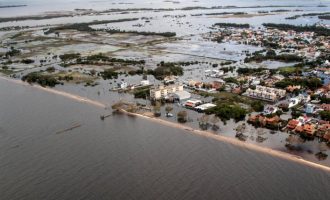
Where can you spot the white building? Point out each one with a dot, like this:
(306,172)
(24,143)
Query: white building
(265,93)
(145,82)
(162,91)
(122,85)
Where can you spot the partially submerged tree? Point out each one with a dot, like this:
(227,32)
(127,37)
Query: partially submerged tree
(204,122)
(215,120)
(156,109)
(168,109)
(182,116)
(117,106)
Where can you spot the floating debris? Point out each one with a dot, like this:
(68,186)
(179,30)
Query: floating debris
(102,117)
(69,129)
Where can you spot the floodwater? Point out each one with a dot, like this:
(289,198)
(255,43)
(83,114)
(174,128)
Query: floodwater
(129,158)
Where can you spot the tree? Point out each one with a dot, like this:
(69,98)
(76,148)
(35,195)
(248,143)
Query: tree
(203,121)
(257,106)
(325,115)
(182,116)
(156,109)
(214,121)
(168,109)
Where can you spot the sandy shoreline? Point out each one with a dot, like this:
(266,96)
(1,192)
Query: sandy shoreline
(188,129)
(57,92)
(235,142)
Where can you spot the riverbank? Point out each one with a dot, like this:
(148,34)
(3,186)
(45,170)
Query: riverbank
(188,129)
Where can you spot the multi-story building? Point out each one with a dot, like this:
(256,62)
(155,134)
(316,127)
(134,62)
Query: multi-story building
(161,92)
(266,93)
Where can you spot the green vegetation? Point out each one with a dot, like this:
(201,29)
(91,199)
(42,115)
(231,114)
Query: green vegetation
(86,26)
(12,52)
(5,70)
(257,106)
(50,69)
(232,25)
(320,15)
(69,56)
(167,69)
(321,31)
(101,57)
(27,61)
(41,79)
(326,17)
(226,112)
(227,13)
(24,18)
(96,59)
(141,93)
(311,83)
(164,34)
(271,56)
(289,71)
(250,71)
(109,74)
(231,80)
(325,115)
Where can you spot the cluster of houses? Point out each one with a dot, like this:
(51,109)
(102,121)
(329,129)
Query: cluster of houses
(303,44)
(310,127)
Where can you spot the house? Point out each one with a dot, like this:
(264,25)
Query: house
(292,88)
(310,109)
(273,120)
(270,110)
(192,103)
(292,124)
(122,85)
(309,129)
(170,79)
(180,95)
(204,107)
(326,136)
(218,84)
(264,121)
(145,82)
(325,107)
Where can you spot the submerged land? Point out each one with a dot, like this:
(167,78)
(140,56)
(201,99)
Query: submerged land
(259,85)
